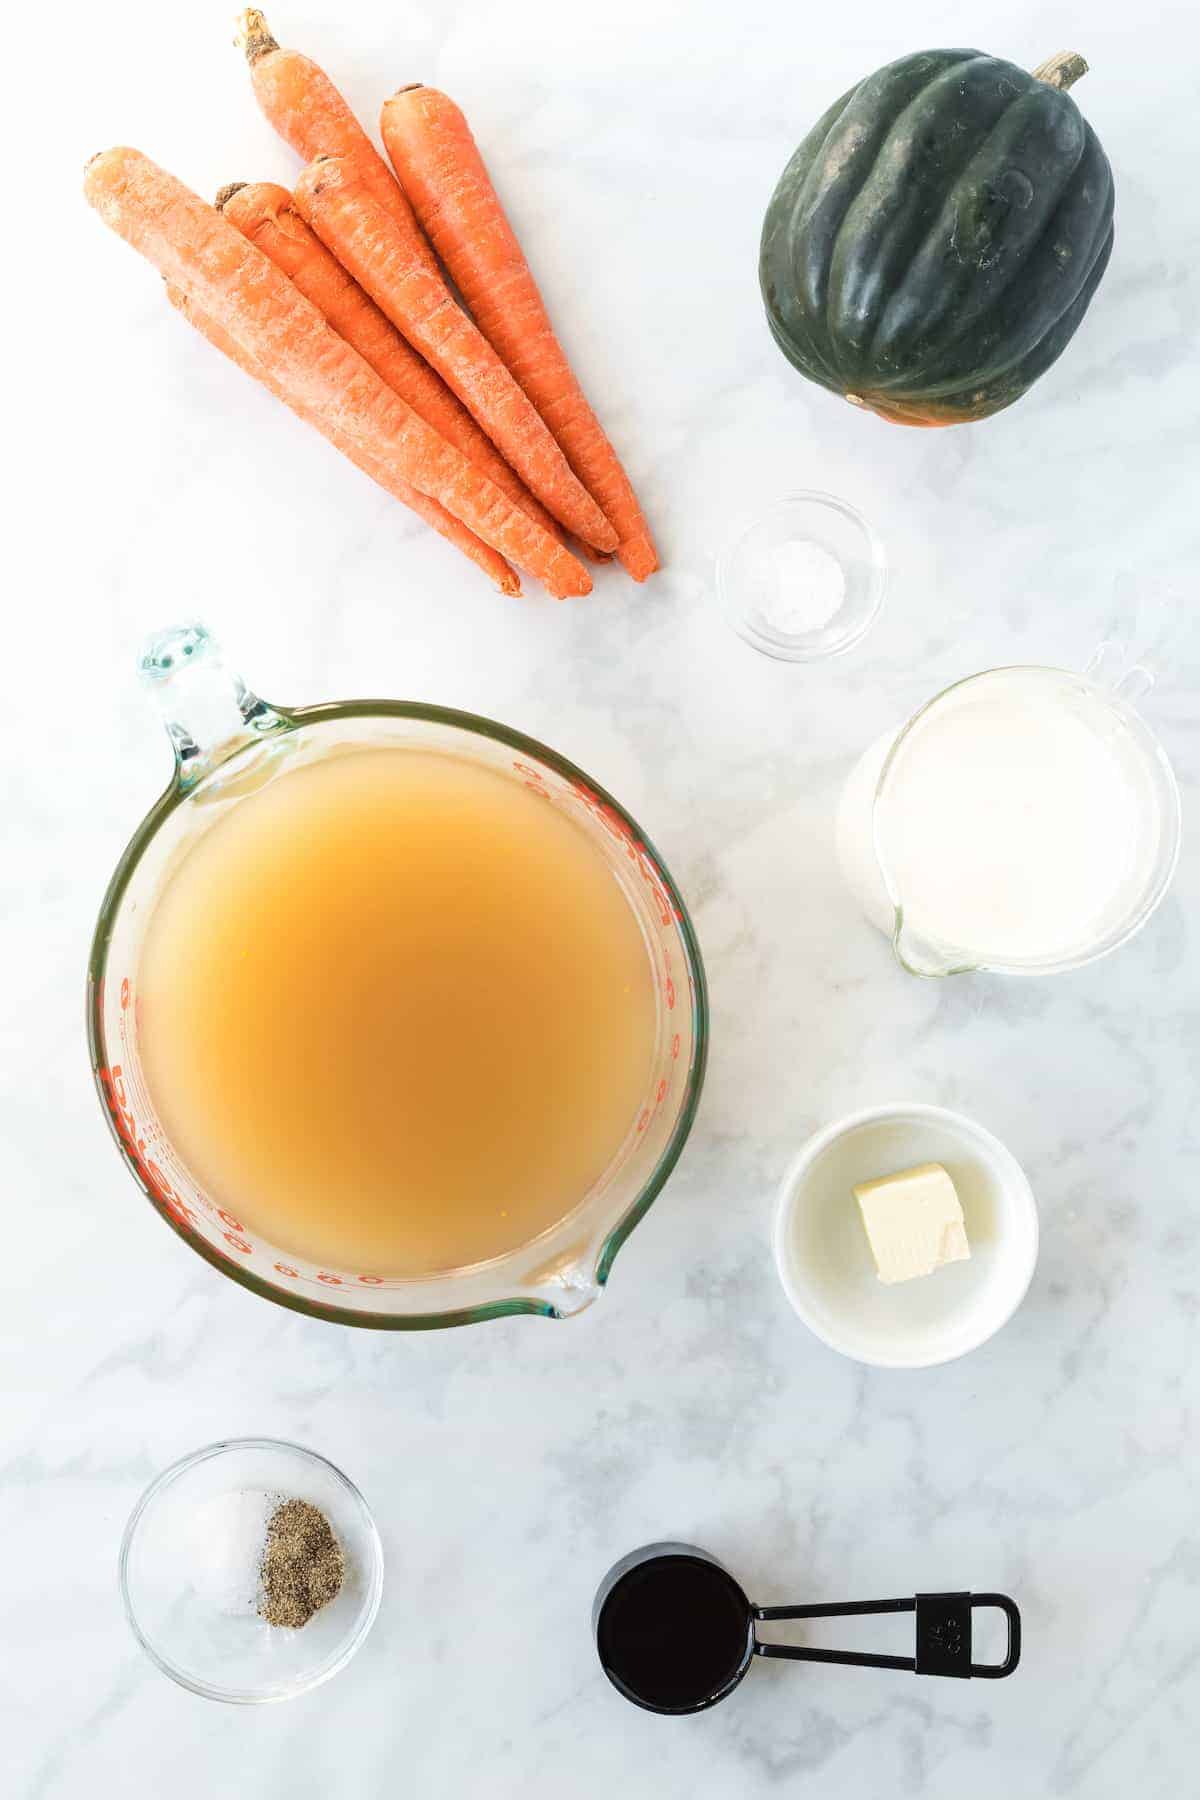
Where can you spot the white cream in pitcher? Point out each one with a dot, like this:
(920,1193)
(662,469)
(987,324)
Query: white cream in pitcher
(1016,822)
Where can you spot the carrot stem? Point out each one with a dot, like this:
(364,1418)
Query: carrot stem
(253,34)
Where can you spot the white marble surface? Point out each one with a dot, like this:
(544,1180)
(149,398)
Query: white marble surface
(509,1465)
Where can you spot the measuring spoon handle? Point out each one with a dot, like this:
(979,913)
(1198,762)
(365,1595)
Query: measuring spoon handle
(944,1634)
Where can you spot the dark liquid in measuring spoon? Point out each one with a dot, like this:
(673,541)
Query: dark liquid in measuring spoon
(674,1632)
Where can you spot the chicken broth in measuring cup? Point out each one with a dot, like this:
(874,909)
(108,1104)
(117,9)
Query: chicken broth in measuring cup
(397,1011)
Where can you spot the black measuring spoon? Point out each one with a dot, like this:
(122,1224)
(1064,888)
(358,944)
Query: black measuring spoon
(675,1632)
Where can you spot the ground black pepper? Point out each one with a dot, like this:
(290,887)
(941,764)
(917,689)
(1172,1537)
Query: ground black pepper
(302,1565)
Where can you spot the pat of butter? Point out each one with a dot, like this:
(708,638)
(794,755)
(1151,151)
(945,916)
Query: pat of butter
(914,1222)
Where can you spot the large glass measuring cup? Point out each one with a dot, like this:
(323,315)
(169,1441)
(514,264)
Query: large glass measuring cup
(1024,821)
(229,744)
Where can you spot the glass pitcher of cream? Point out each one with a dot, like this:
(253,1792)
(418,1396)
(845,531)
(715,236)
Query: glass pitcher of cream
(1024,821)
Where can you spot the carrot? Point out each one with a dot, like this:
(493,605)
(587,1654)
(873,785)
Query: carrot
(489,560)
(333,198)
(308,111)
(263,212)
(241,290)
(443,175)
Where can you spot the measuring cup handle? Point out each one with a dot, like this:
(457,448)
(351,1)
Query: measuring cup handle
(943,1635)
(1012,1655)
(208,711)
(1142,639)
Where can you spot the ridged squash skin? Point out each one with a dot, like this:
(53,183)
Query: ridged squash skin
(935,241)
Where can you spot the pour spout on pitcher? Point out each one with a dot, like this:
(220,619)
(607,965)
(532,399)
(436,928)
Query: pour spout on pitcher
(922,956)
(208,711)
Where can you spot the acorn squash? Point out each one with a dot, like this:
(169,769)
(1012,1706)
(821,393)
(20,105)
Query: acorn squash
(936,239)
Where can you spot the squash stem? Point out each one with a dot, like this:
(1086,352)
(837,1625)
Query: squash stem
(1062,70)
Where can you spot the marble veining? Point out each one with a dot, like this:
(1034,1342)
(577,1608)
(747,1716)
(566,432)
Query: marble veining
(510,1465)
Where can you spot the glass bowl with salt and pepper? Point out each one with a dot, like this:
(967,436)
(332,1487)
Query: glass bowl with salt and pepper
(251,1571)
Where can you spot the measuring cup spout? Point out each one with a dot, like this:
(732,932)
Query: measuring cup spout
(567,1284)
(921,956)
(208,711)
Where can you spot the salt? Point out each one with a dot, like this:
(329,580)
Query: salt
(223,1555)
(806,588)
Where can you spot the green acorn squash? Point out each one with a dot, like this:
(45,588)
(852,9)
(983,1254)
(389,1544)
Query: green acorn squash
(936,239)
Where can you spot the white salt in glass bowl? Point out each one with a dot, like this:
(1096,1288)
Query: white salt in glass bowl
(825,1261)
(173,1574)
(805,581)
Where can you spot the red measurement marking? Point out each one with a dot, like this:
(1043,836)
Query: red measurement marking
(134,1144)
(617,827)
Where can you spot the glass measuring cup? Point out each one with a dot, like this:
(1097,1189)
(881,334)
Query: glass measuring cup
(229,744)
(675,1632)
(889,805)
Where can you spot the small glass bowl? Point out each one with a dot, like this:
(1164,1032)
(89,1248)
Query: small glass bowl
(825,1263)
(761,577)
(229,1653)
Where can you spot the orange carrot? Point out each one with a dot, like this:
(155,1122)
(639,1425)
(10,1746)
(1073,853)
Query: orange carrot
(308,111)
(263,212)
(241,290)
(489,560)
(333,198)
(443,175)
